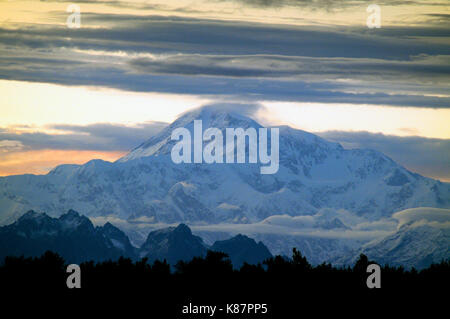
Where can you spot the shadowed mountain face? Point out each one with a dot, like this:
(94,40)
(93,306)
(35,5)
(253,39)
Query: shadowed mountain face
(75,238)
(178,243)
(242,249)
(72,236)
(173,244)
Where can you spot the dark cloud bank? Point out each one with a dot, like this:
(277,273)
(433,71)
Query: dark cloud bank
(250,61)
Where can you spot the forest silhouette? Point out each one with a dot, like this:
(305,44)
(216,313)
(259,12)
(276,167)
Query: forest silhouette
(283,283)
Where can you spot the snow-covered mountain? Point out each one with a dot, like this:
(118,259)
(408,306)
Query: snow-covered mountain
(411,246)
(422,238)
(313,174)
(146,186)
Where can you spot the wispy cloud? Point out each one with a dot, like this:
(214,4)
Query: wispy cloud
(97,137)
(435,217)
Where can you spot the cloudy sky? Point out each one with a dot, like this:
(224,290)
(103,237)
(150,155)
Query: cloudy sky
(73,94)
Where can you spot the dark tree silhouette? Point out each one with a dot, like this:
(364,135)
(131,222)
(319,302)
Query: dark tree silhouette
(280,282)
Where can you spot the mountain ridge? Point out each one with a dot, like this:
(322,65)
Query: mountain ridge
(76,239)
(72,235)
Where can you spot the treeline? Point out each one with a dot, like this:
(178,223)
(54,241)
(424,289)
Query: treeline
(280,282)
(49,270)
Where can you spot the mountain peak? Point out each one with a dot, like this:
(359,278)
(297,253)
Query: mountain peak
(111,230)
(183,229)
(72,220)
(108,225)
(31,215)
(242,249)
(71,214)
(173,244)
(219,116)
(34,218)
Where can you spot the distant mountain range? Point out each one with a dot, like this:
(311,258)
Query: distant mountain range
(75,238)
(72,235)
(326,200)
